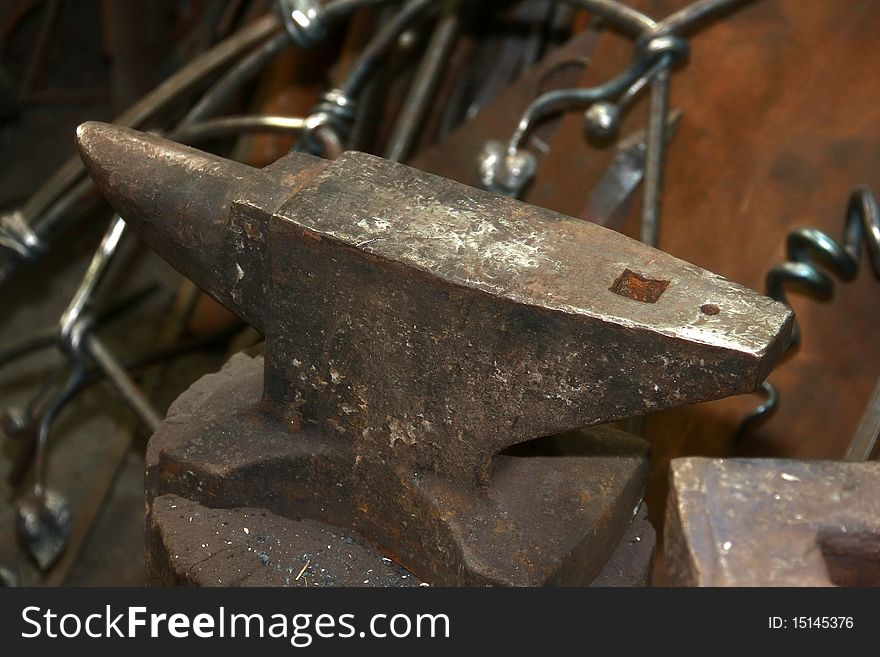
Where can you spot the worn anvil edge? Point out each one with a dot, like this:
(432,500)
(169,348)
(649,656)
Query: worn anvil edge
(720,330)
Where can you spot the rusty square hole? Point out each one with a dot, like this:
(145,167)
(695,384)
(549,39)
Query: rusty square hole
(639,288)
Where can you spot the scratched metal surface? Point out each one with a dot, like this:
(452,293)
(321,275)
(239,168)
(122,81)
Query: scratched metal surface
(250,547)
(500,246)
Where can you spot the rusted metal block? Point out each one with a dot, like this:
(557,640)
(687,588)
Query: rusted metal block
(750,522)
(416,331)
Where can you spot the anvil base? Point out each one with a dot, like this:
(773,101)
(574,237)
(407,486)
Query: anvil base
(197,546)
(235,497)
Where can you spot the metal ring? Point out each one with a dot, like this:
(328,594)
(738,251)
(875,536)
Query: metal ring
(334,112)
(652,48)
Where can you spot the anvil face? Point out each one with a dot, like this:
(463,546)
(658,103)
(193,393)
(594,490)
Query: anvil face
(427,325)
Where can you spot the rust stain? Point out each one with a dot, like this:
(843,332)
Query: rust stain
(639,288)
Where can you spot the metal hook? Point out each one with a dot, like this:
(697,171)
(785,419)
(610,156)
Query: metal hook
(509,173)
(43,516)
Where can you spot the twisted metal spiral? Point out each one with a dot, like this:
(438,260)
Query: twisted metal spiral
(808,249)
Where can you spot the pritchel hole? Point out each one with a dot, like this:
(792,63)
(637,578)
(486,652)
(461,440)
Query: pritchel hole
(639,288)
(710,309)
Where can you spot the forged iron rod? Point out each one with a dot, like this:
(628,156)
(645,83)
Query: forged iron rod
(425,81)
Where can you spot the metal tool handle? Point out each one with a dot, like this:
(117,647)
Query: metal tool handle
(123,383)
(864,440)
(96,271)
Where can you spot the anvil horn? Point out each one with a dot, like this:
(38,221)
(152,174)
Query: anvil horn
(179,200)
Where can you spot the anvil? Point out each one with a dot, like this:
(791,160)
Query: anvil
(423,338)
